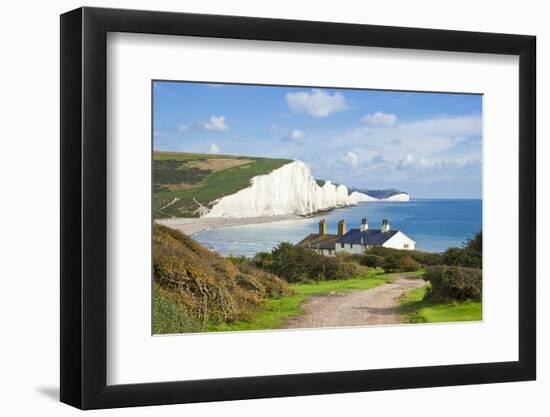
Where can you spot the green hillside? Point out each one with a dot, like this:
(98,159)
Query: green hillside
(194,286)
(183,182)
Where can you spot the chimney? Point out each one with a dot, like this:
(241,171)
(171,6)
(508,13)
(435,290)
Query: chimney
(385,226)
(364,225)
(322,228)
(341,228)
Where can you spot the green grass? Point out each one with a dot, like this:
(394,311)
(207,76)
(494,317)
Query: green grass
(417,310)
(217,185)
(171,317)
(277,310)
(187,156)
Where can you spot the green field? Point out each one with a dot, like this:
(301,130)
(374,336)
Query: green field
(279,309)
(417,310)
(184,181)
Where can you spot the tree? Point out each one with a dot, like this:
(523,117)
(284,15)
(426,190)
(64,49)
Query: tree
(470,255)
(475,243)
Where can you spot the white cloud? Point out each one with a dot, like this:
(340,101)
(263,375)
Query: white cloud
(288,135)
(213,148)
(182,127)
(380,119)
(296,134)
(408,160)
(411,155)
(317,103)
(434,166)
(351,158)
(216,123)
(447,126)
(435,138)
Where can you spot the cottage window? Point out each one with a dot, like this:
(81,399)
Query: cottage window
(342,245)
(351,245)
(406,246)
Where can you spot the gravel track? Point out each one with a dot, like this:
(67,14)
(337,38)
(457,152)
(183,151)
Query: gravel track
(379,305)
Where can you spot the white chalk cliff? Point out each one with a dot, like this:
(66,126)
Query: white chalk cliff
(398,197)
(290,189)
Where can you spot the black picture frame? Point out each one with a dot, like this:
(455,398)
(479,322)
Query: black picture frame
(84,207)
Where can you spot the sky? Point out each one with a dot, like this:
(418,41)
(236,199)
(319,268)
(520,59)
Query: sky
(427,144)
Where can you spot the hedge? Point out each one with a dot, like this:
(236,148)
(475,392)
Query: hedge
(454,282)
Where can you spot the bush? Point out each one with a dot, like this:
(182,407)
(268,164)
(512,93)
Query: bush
(172,316)
(462,257)
(400,262)
(423,258)
(263,260)
(238,260)
(470,255)
(382,251)
(475,243)
(454,282)
(203,284)
(298,264)
(374,261)
(426,258)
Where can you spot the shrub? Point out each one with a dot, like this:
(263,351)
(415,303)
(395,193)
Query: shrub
(454,282)
(423,258)
(426,258)
(374,261)
(170,315)
(462,257)
(207,286)
(298,264)
(382,251)
(475,243)
(263,260)
(470,255)
(400,262)
(238,260)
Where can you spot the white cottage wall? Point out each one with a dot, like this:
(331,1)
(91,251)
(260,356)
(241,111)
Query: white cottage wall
(400,241)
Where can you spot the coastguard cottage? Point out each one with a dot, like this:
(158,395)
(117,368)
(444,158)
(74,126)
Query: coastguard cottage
(322,242)
(356,240)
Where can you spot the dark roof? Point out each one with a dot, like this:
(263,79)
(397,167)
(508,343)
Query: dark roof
(369,236)
(316,241)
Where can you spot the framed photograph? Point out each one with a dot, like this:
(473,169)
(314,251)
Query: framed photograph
(256,208)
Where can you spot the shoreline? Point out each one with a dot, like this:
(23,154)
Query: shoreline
(190,226)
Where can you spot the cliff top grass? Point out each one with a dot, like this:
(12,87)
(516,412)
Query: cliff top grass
(183,182)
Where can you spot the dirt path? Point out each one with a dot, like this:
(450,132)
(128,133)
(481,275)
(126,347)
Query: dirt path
(379,305)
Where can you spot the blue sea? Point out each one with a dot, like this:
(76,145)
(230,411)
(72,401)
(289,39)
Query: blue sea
(434,224)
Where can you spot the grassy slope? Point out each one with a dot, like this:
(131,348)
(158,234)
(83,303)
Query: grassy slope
(278,309)
(171,317)
(417,310)
(193,285)
(217,185)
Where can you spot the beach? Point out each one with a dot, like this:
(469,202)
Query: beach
(190,226)
(435,225)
